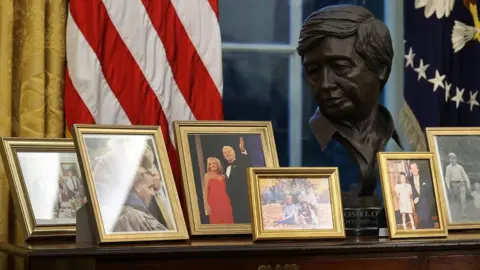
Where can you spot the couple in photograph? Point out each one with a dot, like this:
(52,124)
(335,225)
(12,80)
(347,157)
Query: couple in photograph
(225,190)
(416,197)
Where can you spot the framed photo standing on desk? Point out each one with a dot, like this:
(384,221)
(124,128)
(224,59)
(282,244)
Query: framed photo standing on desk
(413,197)
(457,151)
(131,190)
(295,203)
(214,157)
(45,183)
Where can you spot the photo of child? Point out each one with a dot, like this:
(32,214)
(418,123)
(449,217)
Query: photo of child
(457,157)
(404,193)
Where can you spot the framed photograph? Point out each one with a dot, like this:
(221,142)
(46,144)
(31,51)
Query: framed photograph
(214,157)
(412,196)
(131,190)
(457,151)
(45,183)
(295,203)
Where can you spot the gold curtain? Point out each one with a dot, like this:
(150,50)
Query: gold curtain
(32,67)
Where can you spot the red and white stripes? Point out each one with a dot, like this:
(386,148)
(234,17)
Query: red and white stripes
(143,62)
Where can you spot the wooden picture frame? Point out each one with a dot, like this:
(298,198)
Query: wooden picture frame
(121,166)
(412,195)
(444,141)
(306,203)
(200,143)
(45,199)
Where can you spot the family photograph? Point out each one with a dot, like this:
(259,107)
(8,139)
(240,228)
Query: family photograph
(296,203)
(458,163)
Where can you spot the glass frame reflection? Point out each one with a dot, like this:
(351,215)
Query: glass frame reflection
(125,160)
(10,149)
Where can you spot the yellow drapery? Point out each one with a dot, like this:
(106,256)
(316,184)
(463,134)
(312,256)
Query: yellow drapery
(32,67)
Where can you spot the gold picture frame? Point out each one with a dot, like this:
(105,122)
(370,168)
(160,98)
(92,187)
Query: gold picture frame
(308,212)
(191,163)
(37,153)
(433,135)
(128,138)
(405,206)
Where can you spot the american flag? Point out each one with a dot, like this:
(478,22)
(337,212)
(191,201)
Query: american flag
(143,62)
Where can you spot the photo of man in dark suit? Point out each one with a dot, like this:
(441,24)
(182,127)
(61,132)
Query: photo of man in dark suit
(219,163)
(236,173)
(423,196)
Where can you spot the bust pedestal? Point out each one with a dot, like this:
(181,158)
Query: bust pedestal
(363,216)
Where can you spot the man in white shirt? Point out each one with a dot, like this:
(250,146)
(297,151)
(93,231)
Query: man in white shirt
(457,182)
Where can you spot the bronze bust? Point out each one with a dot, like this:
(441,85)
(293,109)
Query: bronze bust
(347,56)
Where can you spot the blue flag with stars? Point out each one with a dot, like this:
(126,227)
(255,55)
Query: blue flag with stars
(442,64)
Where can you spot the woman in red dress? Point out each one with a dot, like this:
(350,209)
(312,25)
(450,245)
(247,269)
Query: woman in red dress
(217,204)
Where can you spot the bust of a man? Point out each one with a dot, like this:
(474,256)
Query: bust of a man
(347,56)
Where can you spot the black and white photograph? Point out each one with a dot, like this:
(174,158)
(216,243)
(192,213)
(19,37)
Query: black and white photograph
(458,158)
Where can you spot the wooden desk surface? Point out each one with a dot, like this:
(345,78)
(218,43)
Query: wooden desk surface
(244,246)
(457,251)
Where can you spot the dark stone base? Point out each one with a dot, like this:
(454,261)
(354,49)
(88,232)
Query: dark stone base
(363,221)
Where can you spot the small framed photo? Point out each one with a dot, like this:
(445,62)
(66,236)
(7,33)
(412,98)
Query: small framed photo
(412,196)
(45,183)
(131,190)
(214,157)
(295,203)
(457,154)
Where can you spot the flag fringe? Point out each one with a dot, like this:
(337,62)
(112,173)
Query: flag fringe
(67,133)
(412,130)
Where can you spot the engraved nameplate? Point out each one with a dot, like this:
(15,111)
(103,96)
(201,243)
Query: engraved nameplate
(361,219)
